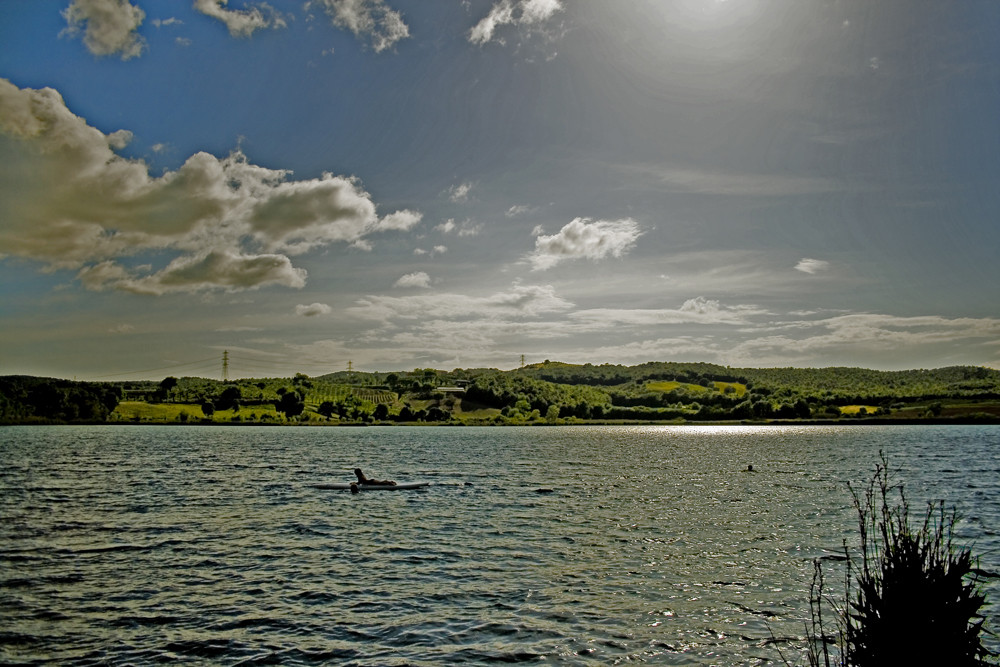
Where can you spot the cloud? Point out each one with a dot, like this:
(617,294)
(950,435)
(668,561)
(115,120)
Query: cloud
(466,228)
(719,182)
(73,203)
(526,14)
(807,265)
(459,193)
(436,250)
(241,22)
(312,310)
(693,311)
(417,279)
(517,210)
(109,26)
(858,336)
(584,239)
(213,270)
(160,23)
(519,301)
(400,220)
(367,18)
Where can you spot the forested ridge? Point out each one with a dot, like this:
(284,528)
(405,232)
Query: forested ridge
(549,392)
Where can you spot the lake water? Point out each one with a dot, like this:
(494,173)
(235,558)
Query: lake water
(208,545)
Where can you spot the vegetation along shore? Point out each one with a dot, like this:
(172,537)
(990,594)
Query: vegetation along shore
(544,393)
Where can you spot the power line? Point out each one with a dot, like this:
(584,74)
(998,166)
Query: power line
(161,369)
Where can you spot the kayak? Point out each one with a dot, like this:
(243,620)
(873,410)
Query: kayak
(373,487)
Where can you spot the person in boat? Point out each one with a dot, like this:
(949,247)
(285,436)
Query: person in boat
(364,480)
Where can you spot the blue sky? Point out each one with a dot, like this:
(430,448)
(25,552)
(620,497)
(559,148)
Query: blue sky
(457,183)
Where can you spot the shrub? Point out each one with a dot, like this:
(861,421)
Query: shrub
(913,598)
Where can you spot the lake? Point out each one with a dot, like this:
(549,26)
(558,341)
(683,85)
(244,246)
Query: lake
(551,545)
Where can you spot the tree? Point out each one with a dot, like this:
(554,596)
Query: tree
(167,385)
(381,412)
(208,408)
(229,397)
(327,409)
(291,403)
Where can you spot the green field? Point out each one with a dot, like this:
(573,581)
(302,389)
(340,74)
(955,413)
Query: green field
(667,386)
(172,413)
(855,409)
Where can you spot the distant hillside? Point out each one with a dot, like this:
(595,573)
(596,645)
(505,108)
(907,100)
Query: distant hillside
(549,392)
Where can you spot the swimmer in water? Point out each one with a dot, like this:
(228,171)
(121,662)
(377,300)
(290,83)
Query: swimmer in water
(362,480)
(750,468)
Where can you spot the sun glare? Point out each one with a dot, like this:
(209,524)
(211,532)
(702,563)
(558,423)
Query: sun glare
(710,15)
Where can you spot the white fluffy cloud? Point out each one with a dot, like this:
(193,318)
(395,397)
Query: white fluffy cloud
(241,22)
(584,239)
(312,309)
(109,26)
(73,203)
(416,279)
(529,14)
(367,18)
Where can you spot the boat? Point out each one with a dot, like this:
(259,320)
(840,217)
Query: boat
(342,486)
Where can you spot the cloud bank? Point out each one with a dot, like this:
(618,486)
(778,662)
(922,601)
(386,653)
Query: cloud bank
(74,203)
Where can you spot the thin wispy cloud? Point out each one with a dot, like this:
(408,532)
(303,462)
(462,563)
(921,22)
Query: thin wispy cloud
(519,301)
(369,19)
(811,266)
(436,250)
(730,183)
(523,14)
(460,192)
(697,310)
(242,22)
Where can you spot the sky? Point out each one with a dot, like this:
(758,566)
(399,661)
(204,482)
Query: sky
(399,184)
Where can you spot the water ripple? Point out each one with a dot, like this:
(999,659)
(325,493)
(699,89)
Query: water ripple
(583,546)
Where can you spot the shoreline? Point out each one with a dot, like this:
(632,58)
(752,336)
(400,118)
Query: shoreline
(871,421)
